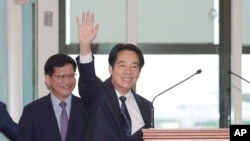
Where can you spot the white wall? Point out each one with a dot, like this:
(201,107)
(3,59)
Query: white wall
(47,40)
(14,46)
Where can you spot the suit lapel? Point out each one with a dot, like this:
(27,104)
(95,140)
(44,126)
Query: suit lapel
(114,105)
(74,118)
(143,109)
(48,111)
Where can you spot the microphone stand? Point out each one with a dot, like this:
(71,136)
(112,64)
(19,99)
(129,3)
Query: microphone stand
(230,72)
(152,109)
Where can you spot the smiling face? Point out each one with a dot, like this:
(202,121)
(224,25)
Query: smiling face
(62,82)
(125,71)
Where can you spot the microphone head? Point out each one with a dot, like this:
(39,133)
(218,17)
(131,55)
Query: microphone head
(198,71)
(229,72)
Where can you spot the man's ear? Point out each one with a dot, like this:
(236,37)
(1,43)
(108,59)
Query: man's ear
(47,81)
(110,69)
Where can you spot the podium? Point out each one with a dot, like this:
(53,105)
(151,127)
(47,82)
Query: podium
(218,134)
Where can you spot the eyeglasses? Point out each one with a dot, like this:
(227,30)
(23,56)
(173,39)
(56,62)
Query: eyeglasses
(63,77)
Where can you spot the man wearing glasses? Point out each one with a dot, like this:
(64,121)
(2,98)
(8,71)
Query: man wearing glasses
(59,115)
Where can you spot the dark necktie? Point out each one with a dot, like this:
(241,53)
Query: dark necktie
(125,117)
(63,121)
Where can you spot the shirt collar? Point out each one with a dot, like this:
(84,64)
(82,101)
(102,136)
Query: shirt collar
(55,101)
(127,95)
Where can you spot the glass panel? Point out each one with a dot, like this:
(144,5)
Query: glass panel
(184,105)
(245,89)
(111,17)
(164,21)
(246,22)
(177,21)
(193,103)
(245,62)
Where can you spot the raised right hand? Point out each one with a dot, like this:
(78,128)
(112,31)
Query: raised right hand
(87,31)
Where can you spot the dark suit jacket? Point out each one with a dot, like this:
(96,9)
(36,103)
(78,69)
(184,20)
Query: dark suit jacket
(103,118)
(38,121)
(7,126)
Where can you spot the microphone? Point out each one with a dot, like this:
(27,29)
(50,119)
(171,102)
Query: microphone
(230,72)
(152,109)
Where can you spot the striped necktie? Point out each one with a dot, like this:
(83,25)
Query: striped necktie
(125,117)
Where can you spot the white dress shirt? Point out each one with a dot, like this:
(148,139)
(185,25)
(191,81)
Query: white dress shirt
(133,110)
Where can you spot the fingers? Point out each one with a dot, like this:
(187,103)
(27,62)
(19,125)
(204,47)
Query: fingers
(87,19)
(78,22)
(96,28)
(92,20)
(83,18)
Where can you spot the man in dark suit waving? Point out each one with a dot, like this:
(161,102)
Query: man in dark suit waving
(57,116)
(114,111)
